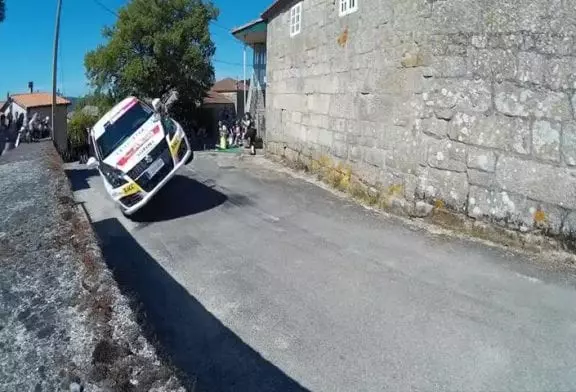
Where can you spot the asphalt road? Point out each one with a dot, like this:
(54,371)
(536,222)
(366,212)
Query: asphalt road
(254,280)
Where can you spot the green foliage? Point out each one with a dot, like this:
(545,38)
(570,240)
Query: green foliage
(103,100)
(77,127)
(2,10)
(156,46)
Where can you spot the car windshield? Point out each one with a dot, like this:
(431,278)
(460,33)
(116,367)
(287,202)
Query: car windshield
(117,132)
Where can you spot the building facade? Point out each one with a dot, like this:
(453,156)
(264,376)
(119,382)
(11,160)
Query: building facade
(41,104)
(233,90)
(253,35)
(466,105)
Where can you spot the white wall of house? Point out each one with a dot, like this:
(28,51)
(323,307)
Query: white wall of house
(16,109)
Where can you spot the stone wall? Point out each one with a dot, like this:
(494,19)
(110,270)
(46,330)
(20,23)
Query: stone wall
(466,104)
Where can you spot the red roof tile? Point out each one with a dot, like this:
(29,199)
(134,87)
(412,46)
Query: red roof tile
(33,100)
(229,85)
(215,98)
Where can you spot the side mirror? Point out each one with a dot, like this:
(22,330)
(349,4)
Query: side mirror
(92,163)
(157,105)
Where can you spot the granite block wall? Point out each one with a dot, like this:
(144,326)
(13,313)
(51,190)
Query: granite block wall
(465,103)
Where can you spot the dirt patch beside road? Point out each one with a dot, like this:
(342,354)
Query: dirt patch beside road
(62,318)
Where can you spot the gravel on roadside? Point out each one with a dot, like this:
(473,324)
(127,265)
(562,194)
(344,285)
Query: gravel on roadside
(64,325)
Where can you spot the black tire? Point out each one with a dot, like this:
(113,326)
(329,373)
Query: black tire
(122,210)
(137,216)
(190,158)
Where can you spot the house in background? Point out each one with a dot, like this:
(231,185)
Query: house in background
(253,35)
(225,100)
(5,105)
(41,104)
(214,107)
(233,90)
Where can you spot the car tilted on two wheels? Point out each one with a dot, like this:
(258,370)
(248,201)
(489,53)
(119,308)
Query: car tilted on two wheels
(138,148)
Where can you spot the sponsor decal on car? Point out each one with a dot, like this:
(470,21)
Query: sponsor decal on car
(143,141)
(130,189)
(174,144)
(126,190)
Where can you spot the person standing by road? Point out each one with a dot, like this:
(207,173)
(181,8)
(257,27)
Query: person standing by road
(84,150)
(19,121)
(223,131)
(3,133)
(249,132)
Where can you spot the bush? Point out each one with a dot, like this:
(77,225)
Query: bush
(79,123)
(78,136)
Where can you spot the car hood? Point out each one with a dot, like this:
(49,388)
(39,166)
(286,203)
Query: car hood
(135,148)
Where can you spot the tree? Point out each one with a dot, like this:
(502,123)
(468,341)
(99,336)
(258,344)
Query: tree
(2,10)
(154,47)
(102,100)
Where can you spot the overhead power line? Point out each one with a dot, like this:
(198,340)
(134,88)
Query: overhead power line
(104,7)
(220,26)
(230,63)
(111,11)
(107,9)
(228,30)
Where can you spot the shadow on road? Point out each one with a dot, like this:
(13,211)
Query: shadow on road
(79,178)
(182,196)
(195,341)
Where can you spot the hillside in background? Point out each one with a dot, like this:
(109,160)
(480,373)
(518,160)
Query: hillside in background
(73,103)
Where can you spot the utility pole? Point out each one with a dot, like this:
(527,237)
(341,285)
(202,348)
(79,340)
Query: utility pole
(55,65)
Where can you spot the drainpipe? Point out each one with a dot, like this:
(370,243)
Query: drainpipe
(244,81)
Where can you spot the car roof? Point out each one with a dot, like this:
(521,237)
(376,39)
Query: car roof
(98,128)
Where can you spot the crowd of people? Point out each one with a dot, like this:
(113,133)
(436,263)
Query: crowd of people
(11,124)
(16,127)
(235,133)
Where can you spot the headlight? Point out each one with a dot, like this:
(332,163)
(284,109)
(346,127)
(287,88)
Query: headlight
(114,176)
(169,126)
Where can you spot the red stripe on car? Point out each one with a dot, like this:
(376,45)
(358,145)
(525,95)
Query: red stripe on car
(133,150)
(124,109)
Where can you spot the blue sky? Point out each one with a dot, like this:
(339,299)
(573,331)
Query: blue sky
(27,38)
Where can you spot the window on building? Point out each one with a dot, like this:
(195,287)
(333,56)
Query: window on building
(348,6)
(295,19)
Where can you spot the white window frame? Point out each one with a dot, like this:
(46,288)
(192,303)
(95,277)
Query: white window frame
(346,7)
(295,19)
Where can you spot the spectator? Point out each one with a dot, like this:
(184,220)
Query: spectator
(84,149)
(223,131)
(3,127)
(3,135)
(250,132)
(20,121)
(11,128)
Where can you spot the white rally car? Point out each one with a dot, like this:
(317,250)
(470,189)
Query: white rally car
(138,149)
